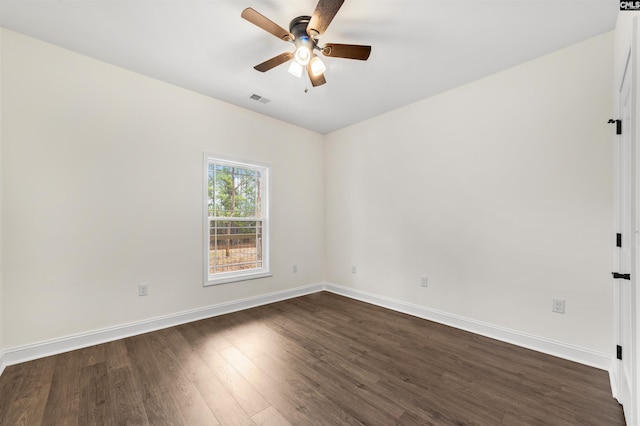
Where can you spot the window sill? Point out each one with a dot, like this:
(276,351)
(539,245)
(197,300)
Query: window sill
(236,278)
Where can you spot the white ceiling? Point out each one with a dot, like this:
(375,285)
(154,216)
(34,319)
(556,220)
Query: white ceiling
(419,47)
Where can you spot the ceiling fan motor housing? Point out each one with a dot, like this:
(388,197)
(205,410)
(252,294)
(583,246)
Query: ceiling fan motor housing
(298,27)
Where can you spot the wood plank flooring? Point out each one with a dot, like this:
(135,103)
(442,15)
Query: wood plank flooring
(320,359)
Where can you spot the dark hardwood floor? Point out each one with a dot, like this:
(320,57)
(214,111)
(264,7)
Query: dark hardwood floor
(320,359)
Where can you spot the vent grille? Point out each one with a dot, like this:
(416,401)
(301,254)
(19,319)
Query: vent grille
(260,99)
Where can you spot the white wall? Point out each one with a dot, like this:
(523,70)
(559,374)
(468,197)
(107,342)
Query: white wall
(499,191)
(103,190)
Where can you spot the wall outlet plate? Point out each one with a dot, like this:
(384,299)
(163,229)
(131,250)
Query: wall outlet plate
(143,289)
(558,306)
(424,282)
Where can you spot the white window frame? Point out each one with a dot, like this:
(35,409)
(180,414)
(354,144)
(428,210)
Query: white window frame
(243,275)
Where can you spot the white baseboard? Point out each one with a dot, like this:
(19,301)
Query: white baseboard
(613,381)
(56,346)
(578,354)
(82,340)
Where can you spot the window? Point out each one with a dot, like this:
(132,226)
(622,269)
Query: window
(236,221)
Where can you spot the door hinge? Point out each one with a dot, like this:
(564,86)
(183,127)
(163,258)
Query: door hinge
(618,240)
(617,275)
(618,351)
(618,125)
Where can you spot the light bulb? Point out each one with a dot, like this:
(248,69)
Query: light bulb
(317,66)
(302,55)
(295,69)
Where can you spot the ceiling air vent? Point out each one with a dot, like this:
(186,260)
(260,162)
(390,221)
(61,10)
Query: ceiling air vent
(259,99)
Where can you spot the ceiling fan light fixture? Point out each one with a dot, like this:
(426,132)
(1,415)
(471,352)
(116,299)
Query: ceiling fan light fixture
(295,69)
(317,66)
(302,55)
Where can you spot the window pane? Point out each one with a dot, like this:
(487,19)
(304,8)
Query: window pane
(237,192)
(234,245)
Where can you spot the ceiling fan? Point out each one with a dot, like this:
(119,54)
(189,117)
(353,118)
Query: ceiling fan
(304,32)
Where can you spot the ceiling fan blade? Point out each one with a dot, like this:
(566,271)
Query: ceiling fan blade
(274,62)
(316,81)
(266,24)
(349,51)
(323,15)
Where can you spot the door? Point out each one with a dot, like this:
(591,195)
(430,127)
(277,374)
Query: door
(626,221)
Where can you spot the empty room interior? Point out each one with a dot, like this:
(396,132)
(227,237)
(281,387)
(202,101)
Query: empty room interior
(425,229)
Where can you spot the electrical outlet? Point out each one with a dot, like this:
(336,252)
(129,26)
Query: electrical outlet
(143,289)
(423,281)
(353,269)
(295,269)
(558,306)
